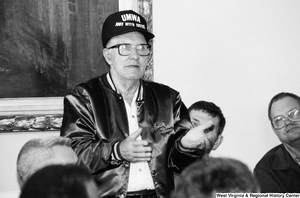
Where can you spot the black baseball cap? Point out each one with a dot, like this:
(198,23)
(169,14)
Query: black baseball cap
(123,22)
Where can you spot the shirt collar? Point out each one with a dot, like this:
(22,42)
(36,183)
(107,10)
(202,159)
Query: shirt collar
(140,94)
(293,155)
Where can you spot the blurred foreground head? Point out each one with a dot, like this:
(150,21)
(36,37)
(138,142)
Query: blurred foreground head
(205,178)
(60,181)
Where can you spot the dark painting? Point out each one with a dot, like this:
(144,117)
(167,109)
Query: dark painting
(49,46)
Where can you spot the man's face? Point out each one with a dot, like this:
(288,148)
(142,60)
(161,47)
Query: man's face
(290,133)
(199,117)
(131,67)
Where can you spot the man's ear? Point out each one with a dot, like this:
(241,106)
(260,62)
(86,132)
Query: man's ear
(218,142)
(107,56)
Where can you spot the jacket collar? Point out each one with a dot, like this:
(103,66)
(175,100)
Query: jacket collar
(282,159)
(140,95)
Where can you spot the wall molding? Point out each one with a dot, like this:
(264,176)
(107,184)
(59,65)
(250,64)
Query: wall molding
(30,114)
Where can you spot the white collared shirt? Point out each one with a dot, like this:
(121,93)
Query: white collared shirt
(139,174)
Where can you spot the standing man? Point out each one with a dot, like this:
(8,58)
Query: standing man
(279,169)
(124,129)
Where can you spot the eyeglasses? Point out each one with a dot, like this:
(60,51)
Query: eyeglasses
(279,121)
(125,49)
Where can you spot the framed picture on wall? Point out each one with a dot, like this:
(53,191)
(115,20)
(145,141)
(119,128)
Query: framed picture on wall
(46,49)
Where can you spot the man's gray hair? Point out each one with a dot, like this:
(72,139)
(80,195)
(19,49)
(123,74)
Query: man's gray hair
(37,153)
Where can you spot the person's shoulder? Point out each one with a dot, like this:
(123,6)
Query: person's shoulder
(158,86)
(273,151)
(88,87)
(269,157)
(91,82)
(154,84)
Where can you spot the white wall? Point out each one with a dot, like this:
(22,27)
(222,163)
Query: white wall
(235,53)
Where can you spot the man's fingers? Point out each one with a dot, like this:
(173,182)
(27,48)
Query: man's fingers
(141,159)
(143,149)
(140,143)
(142,156)
(205,125)
(207,143)
(204,144)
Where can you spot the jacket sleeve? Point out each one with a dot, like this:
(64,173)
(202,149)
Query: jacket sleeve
(179,159)
(92,149)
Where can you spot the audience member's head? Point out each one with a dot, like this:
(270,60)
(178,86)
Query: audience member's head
(205,178)
(40,152)
(60,181)
(203,111)
(284,114)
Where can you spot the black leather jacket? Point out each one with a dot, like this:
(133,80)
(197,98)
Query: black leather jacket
(95,119)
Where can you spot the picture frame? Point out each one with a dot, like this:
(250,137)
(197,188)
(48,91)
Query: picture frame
(43,113)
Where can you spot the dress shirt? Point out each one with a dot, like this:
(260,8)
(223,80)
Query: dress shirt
(139,175)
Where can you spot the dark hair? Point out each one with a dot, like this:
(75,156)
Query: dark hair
(57,181)
(280,96)
(212,109)
(222,175)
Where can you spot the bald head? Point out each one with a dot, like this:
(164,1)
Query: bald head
(40,152)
